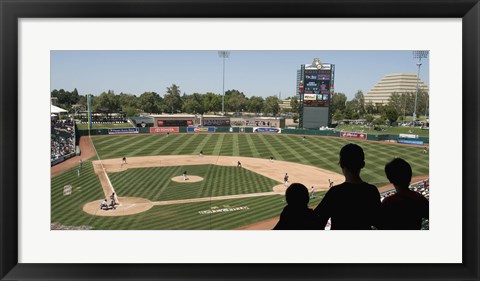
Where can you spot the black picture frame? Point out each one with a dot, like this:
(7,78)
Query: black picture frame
(11,11)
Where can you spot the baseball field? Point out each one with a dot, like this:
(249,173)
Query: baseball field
(218,194)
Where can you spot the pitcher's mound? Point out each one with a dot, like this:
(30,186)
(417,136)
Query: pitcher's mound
(127,206)
(189,179)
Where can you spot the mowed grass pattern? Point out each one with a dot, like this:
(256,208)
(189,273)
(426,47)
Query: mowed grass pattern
(315,151)
(155,184)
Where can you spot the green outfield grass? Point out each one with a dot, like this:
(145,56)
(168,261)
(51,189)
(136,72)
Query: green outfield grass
(154,183)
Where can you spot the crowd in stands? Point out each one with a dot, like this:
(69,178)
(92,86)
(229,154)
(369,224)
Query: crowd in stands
(62,135)
(358,205)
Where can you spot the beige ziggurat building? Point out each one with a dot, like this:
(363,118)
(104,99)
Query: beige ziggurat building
(393,83)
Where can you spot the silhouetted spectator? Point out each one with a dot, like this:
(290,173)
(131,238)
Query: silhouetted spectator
(406,208)
(297,215)
(353,204)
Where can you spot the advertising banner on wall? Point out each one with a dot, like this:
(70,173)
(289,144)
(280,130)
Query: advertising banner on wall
(117,131)
(164,130)
(408,136)
(267,130)
(418,142)
(174,123)
(201,130)
(216,122)
(353,135)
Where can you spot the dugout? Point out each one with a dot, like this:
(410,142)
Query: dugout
(269,122)
(175,120)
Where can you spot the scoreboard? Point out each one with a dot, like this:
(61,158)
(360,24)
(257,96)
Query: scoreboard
(316,88)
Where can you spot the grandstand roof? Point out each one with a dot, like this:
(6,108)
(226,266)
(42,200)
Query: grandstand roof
(56,109)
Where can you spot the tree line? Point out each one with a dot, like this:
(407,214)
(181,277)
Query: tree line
(399,105)
(174,102)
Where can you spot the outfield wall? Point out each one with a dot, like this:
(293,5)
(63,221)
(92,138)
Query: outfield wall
(326,133)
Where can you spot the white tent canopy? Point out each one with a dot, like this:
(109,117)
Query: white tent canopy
(56,109)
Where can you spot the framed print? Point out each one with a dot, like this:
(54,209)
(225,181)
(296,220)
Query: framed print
(44,42)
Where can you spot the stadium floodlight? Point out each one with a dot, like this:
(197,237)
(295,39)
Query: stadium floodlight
(224,55)
(418,55)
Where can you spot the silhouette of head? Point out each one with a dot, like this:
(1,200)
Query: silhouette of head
(352,158)
(297,195)
(399,172)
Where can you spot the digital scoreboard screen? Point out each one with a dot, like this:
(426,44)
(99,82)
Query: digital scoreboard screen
(316,87)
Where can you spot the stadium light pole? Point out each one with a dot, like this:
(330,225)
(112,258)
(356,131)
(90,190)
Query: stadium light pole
(224,55)
(418,55)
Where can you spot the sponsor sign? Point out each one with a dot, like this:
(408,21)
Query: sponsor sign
(353,135)
(257,123)
(216,122)
(174,123)
(223,209)
(164,130)
(309,97)
(410,141)
(201,130)
(408,136)
(315,103)
(267,130)
(323,76)
(116,131)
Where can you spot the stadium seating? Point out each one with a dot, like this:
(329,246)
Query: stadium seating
(62,140)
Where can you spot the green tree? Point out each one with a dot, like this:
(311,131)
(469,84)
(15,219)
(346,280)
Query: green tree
(338,116)
(235,101)
(391,114)
(106,102)
(397,101)
(194,104)
(212,102)
(150,102)
(379,121)
(359,103)
(172,99)
(369,118)
(369,108)
(271,106)
(66,99)
(349,110)
(255,104)
(295,104)
(338,102)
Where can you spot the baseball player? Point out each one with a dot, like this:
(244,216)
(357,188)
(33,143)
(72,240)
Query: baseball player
(103,204)
(112,199)
(285,180)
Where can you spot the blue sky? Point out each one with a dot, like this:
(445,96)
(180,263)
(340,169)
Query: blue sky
(255,73)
